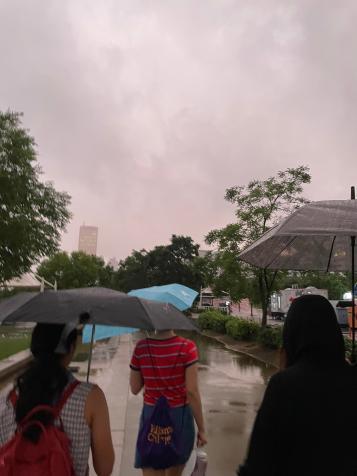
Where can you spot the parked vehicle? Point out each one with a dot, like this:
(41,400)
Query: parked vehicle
(341,308)
(280,300)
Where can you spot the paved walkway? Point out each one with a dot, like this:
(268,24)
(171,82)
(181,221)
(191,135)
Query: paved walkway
(114,381)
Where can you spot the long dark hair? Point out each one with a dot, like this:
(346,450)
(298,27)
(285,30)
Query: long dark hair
(44,381)
(311,331)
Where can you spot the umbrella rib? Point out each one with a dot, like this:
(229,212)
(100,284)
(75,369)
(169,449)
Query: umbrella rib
(329,258)
(287,244)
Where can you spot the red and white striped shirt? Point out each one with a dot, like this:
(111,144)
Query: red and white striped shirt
(162,364)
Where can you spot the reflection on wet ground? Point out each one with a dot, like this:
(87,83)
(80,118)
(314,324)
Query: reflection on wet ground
(232,387)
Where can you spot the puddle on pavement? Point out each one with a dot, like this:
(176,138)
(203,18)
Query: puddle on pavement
(232,387)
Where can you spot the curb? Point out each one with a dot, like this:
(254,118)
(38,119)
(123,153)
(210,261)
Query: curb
(240,351)
(14,363)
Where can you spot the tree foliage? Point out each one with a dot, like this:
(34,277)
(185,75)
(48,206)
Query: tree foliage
(165,264)
(259,206)
(76,270)
(32,213)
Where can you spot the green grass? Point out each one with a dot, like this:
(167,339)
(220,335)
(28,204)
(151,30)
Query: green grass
(14,339)
(12,346)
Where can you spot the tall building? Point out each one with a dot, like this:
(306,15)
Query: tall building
(88,238)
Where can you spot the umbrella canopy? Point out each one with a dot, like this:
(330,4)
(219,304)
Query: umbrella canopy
(99,305)
(178,295)
(314,237)
(319,236)
(104,332)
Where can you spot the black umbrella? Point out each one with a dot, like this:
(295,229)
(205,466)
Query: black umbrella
(92,306)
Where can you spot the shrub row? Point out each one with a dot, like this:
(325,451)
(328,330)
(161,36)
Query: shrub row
(213,320)
(240,329)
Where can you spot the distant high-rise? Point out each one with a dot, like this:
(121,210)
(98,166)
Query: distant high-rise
(88,237)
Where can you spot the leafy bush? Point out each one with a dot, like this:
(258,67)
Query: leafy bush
(348,345)
(213,320)
(242,329)
(348,348)
(271,336)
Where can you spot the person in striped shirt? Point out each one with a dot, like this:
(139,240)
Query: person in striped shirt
(166,364)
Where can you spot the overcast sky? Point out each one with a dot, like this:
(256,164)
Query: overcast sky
(146,111)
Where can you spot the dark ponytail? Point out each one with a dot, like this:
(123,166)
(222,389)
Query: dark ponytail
(46,378)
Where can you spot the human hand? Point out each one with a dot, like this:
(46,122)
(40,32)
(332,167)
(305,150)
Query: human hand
(201,439)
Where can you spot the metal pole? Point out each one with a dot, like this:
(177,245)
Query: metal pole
(353,243)
(90,351)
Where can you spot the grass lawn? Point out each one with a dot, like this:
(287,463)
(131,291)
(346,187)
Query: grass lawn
(13,340)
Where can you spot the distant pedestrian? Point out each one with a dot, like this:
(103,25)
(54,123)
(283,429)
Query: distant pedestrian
(165,365)
(84,412)
(307,422)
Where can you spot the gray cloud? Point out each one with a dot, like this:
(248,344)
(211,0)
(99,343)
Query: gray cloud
(145,111)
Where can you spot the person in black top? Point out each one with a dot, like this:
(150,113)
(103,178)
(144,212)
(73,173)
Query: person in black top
(307,422)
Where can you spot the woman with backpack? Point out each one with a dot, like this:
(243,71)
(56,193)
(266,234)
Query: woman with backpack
(165,365)
(61,419)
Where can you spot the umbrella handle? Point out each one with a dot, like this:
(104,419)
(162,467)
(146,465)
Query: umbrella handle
(90,351)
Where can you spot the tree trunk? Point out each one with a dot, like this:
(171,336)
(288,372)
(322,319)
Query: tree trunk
(265,310)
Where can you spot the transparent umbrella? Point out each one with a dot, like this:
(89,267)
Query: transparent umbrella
(320,236)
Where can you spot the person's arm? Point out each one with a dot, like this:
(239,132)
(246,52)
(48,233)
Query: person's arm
(194,400)
(97,416)
(263,451)
(136,381)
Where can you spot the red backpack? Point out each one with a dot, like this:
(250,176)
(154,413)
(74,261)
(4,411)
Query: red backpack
(49,456)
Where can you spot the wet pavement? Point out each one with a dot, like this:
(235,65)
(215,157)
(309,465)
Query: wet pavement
(232,387)
(231,384)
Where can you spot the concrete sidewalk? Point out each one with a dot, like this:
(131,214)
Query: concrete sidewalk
(114,381)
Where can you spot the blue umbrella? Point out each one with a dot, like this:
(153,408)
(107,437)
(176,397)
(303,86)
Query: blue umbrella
(178,295)
(104,332)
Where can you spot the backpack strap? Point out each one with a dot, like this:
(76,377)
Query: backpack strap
(13,397)
(65,396)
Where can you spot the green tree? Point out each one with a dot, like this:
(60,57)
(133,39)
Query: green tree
(132,272)
(259,206)
(32,213)
(230,276)
(76,270)
(165,264)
